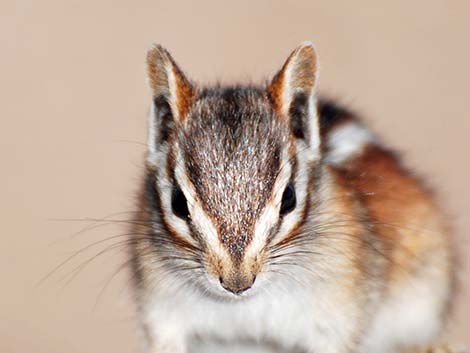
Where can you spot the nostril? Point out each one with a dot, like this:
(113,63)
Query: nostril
(226,287)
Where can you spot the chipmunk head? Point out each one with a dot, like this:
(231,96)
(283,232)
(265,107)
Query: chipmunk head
(230,169)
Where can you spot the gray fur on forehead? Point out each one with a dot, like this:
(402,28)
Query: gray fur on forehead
(231,144)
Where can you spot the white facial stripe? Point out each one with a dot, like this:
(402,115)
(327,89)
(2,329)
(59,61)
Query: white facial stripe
(166,187)
(270,214)
(304,159)
(347,141)
(199,217)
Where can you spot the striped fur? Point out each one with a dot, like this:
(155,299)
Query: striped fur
(364,246)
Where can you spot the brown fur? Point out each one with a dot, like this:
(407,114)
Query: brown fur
(373,227)
(402,212)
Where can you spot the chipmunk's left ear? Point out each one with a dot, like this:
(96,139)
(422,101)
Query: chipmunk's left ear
(293,93)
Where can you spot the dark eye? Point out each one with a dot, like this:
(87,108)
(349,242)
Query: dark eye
(179,205)
(288,200)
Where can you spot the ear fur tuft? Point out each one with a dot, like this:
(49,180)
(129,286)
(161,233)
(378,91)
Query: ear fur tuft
(173,94)
(293,93)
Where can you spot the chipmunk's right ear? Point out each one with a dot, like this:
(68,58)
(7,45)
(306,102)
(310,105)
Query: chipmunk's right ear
(172,94)
(292,91)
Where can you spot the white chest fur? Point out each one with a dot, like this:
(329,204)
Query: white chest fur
(288,319)
(278,321)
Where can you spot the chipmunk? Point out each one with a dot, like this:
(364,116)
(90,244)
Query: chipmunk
(271,220)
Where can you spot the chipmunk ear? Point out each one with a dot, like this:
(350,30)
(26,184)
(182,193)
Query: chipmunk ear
(172,94)
(292,91)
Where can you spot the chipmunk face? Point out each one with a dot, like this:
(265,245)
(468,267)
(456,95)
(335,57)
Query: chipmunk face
(230,170)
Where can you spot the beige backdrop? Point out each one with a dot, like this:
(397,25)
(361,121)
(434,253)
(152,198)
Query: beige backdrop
(73,123)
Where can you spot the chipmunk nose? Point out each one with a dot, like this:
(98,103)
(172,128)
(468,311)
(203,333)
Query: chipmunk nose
(237,285)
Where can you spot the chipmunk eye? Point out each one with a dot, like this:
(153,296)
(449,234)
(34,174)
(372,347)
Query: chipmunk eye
(289,200)
(179,205)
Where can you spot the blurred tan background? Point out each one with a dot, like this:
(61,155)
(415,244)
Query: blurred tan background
(73,114)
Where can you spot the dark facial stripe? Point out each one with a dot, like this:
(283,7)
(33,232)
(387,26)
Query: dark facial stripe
(312,183)
(153,198)
(293,161)
(170,170)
